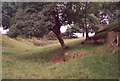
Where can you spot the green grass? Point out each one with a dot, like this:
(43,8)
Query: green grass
(21,59)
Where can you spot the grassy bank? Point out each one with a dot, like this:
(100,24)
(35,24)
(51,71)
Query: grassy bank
(21,59)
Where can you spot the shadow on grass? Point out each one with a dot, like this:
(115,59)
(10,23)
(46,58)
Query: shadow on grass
(43,56)
(48,54)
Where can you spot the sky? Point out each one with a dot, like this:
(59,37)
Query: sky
(3,31)
(64,28)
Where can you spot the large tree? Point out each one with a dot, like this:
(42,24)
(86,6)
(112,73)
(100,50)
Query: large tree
(36,19)
(93,15)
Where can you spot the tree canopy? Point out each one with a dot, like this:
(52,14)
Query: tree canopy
(35,19)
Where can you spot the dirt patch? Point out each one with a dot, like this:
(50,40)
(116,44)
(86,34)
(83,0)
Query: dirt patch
(72,55)
(66,57)
(57,60)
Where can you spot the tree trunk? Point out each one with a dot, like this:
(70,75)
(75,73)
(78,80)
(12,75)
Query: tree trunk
(61,41)
(113,41)
(59,37)
(85,22)
(87,33)
(56,30)
(83,34)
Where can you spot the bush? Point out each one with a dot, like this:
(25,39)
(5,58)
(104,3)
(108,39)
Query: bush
(12,32)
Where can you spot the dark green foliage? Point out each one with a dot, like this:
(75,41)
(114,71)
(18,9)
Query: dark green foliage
(30,21)
(74,14)
(34,19)
(8,11)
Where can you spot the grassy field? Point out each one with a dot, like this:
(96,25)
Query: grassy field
(22,60)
